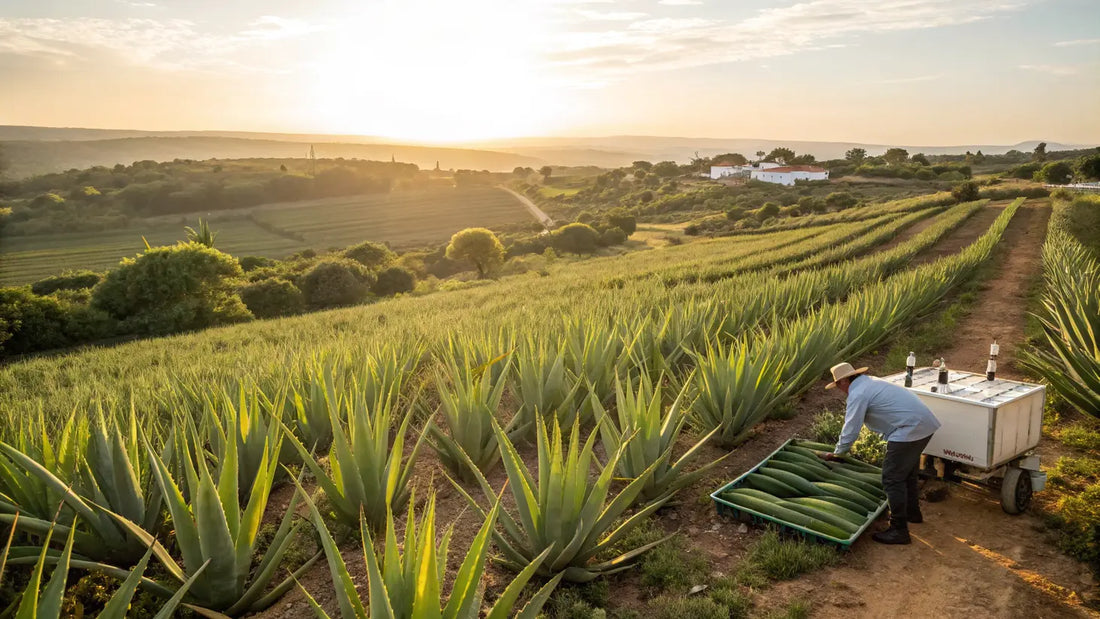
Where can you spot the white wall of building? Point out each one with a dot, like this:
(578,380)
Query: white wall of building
(788,178)
(722,171)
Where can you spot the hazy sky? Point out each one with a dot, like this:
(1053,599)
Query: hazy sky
(884,71)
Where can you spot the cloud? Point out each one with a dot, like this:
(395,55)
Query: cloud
(611,15)
(1050,69)
(653,44)
(910,80)
(680,2)
(162,44)
(1076,42)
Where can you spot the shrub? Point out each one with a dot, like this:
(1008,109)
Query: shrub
(613,236)
(840,200)
(1055,173)
(766,212)
(371,255)
(272,297)
(31,322)
(735,213)
(625,221)
(334,282)
(251,263)
(966,192)
(394,280)
(577,238)
(175,288)
(69,280)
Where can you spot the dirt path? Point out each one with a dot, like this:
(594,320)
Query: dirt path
(539,214)
(969,558)
(964,235)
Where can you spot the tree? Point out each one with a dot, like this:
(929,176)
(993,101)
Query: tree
(759,155)
(1055,173)
(577,238)
(856,155)
(272,297)
(546,171)
(733,158)
(896,156)
(478,246)
(966,192)
(335,282)
(1040,152)
(780,155)
(666,169)
(920,159)
(1088,167)
(394,280)
(623,220)
(642,165)
(804,159)
(371,255)
(175,288)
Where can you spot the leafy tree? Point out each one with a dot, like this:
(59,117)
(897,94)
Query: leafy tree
(613,236)
(175,288)
(273,297)
(1055,173)
(394,280)
(371,255)
(546,171)
(734,158)
(69,280)
(856,155)
(966,192)
(622,220)
(1088,167)
(577,238)
(29,322)
(804,159)
(767,211)
(478,246)
(203,236)
(335,282)
(642,165)
(896,156)
(780,155)
(1040,152)
(920,159)
(840,200)
(519,171)
(666,169)
(759,155)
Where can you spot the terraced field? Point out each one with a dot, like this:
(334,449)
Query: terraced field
(403,219)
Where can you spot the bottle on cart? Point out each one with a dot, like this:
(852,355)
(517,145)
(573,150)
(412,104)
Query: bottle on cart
(991,366)
(910,361)
(941,381)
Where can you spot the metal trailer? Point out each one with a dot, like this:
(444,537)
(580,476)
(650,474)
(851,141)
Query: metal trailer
(988,434)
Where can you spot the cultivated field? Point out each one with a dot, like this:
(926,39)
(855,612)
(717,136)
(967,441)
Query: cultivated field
(403,219)
(742,327)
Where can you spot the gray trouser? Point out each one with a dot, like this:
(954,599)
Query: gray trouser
(899,479)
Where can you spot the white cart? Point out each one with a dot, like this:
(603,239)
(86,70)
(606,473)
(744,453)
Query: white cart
(989,431)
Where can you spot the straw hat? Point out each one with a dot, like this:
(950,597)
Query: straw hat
(843,370)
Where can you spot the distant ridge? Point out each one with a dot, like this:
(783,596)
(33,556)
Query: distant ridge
(36,150)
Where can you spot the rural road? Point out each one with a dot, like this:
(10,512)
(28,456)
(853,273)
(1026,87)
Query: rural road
(543,218)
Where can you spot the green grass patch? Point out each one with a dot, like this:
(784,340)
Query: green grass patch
(796,609)
(1080,436)
(696,607)
(781,558)
(672,567)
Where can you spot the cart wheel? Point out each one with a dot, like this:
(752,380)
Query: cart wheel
(1015,491)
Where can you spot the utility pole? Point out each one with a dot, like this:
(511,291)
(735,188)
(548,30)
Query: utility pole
(312,161)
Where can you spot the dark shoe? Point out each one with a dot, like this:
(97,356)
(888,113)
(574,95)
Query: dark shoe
(915,518)
(892,536)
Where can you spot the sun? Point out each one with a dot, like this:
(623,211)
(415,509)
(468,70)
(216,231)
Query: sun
(434,71)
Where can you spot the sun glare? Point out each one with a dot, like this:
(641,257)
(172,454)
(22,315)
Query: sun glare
(436,72)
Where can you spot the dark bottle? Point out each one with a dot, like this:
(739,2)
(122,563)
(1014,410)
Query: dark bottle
(991,366)
(910,361)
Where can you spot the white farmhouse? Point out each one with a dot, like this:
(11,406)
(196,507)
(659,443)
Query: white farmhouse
(724,169)
(787,175)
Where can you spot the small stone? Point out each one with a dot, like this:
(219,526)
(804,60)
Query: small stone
(696,589)
(744,528)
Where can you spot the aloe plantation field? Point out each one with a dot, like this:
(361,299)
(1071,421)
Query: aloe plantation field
(315,465)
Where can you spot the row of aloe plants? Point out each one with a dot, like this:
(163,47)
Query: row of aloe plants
(1069,358)
(216,508)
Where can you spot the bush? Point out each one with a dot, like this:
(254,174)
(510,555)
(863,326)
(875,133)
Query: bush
(1055,173)
(335,282)
(966,192)
(69,280)
(251,263)
(625,221)
(577,238)
(840,200)
(766,212)
(394,280)
(613,236)
(371,255)
(269,298)
(30,322)
(169,289)
(735,213)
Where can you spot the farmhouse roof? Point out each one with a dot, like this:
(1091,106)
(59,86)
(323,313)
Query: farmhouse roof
(795,168)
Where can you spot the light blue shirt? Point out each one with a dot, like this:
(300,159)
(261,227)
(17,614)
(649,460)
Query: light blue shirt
(887,409)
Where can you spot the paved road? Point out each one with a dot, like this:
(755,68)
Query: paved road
(543,218)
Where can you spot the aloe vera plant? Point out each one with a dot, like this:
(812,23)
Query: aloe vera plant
(645,434)
(368,473)
(469,401)
(249,421)
(545,387)
(561,513)
(212,529)
(593,352)
(37,603)
(406,580)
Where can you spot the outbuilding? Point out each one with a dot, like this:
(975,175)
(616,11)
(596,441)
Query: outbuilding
(787,175)
(725,169)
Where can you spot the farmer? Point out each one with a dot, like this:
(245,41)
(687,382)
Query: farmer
(904,422)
